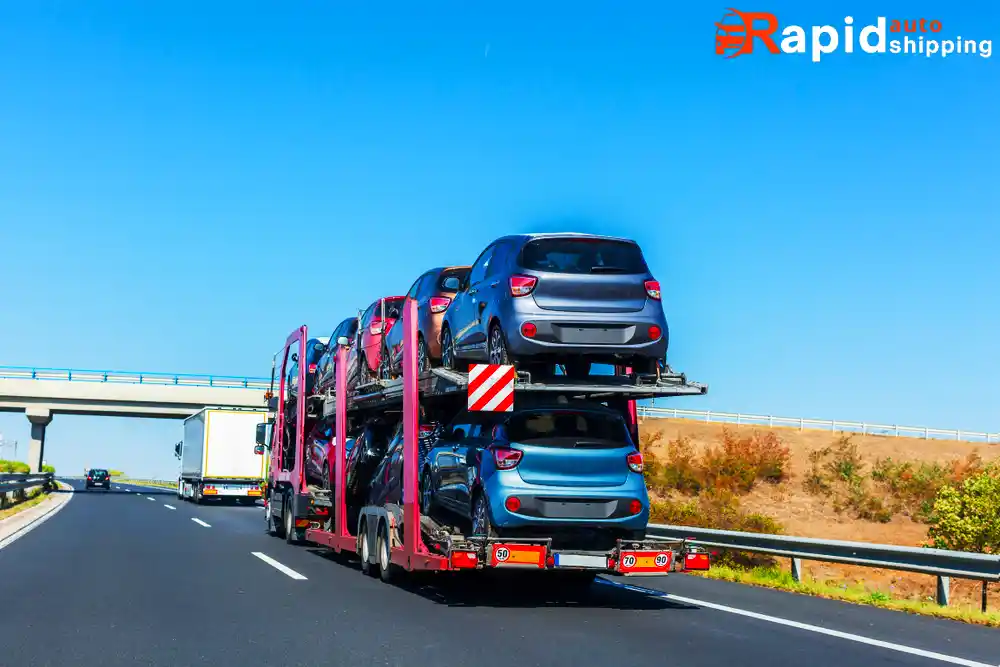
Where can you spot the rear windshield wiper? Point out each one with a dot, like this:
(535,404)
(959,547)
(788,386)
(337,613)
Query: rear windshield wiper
(608,269)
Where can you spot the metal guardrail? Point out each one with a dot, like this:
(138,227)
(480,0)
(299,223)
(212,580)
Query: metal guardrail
(835,425)
(939,562)
(18,483)
(133,377)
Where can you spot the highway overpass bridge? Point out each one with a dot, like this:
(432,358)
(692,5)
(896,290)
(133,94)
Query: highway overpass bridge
(42,393)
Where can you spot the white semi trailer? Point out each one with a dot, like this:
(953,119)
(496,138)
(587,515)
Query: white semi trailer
(219,457)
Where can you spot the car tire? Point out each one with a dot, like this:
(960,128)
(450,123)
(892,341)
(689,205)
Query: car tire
(426,493)
(496,347)
(325,483)
(384,365)
(423,356)
(366,566)
(482,524)
(386,568)
(448,359)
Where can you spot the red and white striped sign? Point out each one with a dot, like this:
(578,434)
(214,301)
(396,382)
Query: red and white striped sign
(491,388)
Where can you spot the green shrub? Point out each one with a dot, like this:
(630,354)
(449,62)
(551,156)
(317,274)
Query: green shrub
(916,484)
(14,467)
(966,517)
(51,469)
(720,510)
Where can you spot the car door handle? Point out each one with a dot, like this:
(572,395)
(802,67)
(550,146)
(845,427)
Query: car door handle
(494,283)
(473,291)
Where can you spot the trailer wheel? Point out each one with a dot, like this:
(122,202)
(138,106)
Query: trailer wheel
(289,519)
(386,568)
(363,550)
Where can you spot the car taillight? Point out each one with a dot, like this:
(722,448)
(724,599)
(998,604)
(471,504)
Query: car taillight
(522,285)
(506,459)
(513,504)
(634,462)
(439,304)
(312,368)
(635,507)
(654,332)
(653,289)
(376,327)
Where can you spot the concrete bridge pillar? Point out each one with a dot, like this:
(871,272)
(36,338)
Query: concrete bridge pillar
(39,418)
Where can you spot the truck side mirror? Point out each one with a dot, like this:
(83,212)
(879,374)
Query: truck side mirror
(343,341)
(177,449)
(262,433)
(258,449)
(272,404)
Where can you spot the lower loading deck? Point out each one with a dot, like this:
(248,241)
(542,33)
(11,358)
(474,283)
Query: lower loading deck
(442,547)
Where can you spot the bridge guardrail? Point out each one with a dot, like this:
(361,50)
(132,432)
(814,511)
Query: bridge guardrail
(21,483)
(939,562)
(133,377)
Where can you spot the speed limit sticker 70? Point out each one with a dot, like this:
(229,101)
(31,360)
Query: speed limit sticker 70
(645,562)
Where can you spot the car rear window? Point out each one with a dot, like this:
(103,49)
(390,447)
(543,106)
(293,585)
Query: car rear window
(393,308)
(98,473)
(446,285)
(578,255)
(568,428)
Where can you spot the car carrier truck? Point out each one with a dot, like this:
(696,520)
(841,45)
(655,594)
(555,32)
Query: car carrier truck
(218,456)
(392,538)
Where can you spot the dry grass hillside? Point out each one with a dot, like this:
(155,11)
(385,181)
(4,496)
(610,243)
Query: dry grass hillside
(811,483)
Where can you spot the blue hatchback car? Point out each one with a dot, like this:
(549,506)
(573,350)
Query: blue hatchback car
(567,470)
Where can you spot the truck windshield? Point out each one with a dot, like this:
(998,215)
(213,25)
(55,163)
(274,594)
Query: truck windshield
(568,428)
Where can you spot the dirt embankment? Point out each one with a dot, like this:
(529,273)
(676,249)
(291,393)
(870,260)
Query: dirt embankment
(808,514)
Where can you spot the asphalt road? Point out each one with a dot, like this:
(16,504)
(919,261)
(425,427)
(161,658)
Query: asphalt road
(129,577)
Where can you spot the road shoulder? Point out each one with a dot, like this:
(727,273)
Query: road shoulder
(14,527)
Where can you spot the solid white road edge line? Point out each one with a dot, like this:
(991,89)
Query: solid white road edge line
(805,626)
(169,507)
(24,530)
(200,522)
(278,566)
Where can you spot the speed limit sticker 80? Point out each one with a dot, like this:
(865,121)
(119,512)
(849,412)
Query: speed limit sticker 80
(645,562)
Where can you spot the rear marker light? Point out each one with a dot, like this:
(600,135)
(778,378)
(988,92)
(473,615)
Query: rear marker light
(653,289)
(464,559)
(528,330)
(634,462)
(522,285)
(506,459)
(376,328)
(654,332)
(513,504)
(439,304)
(635,507)
(312,368)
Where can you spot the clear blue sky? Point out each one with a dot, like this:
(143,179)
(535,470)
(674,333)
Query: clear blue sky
(826,234)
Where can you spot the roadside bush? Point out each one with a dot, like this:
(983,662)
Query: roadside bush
(14,467)
(966,517)
(916,484)
(837,472)
(720,510)
(116,473)
(736,464)
(51,469)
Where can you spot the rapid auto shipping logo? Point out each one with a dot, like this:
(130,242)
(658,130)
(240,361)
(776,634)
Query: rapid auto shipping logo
(737,32)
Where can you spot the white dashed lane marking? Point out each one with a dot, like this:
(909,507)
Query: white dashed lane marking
(278,566)
(169,507)
(200,522)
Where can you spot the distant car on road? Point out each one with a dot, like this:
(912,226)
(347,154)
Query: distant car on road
(98,477)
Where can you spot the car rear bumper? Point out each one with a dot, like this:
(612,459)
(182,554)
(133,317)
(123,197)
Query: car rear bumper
(601,335)
(591,507)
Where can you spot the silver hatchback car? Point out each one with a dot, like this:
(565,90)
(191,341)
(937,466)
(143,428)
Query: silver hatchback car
(571,299)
